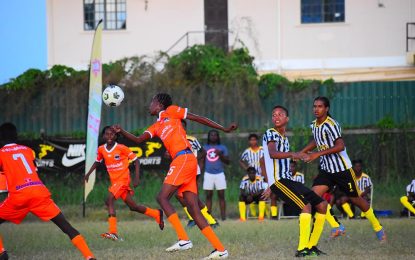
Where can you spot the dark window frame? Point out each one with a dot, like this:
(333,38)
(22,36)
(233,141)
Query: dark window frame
(322,11)
(94,7)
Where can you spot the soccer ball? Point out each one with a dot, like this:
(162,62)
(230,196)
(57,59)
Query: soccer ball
(112,96)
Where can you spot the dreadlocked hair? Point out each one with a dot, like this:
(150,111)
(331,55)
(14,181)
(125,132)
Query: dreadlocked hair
(209,133)
(164,99)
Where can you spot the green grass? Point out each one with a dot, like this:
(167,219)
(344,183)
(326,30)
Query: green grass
(249,240)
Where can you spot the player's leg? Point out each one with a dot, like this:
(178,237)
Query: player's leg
(344,201)
(209,197)
(191,200)
(181,201)
(163,198)
(242,207)
(157,214)
(222,204)
(274,207)
(112,218)
(208,187)
(261,207)
(3,252)
(405,202)
(206,213)
(320,206)
(73,234)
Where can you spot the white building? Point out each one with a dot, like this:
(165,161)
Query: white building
(345,39)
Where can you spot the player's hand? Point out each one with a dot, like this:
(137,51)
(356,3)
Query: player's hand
(218,152)
(86,178)
(117,128)
(266,194)
(232,127)
(310,157)
(167,155)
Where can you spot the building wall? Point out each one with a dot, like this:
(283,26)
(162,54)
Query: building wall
(371,36)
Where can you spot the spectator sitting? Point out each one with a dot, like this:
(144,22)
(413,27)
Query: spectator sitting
(408,201)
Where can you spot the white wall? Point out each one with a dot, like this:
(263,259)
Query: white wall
(370,37)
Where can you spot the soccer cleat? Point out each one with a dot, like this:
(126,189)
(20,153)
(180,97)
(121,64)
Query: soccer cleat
(381,235)
(314,251)
(191,223)
(242,220)
(180,245)
(339,231)
(218,254)
(161,220)
(111,236)
(302,253)
(4,256)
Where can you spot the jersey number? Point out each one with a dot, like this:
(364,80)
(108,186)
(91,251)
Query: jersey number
(350,187)
(20,156)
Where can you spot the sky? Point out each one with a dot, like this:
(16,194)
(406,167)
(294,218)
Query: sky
(23,42)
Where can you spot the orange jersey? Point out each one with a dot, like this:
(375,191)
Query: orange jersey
(3,182)
(170,130)
(17,164)
(117,161)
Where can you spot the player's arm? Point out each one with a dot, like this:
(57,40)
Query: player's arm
(311,146)
(263,169)
(207,122)
(338,147)
(365,192)
(136,180)
(274,154)
(243,164)
(201,155)
(93,167)
(136,139)
(224,158)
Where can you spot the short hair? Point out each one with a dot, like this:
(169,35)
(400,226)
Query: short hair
(253,136)
(281,107)
(357,161)
(8,133)
(251,169)
(164,99)
(109,127)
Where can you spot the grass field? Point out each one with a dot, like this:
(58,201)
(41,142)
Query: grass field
(249,240)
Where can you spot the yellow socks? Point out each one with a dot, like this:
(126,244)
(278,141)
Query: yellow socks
(187,213)
(242,211)
(406,204)
(373,220)
(274,211)
(317,229)
(252,209)
(205,212)
(331,219)
(261,207)
(346,207)
(305,222)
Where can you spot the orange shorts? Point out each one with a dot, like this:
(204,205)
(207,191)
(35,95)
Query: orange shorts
(15,207)
(182,173)
(120,190)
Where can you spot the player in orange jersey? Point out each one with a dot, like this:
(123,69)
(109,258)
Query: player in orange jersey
(181,177)
(27,193)
(116,158)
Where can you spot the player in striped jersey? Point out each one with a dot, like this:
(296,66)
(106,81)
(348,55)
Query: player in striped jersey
(252,155)
(251,188)
(277,157)
(251,158)
(200,154)
(408,201)
(335,166)
(297,176)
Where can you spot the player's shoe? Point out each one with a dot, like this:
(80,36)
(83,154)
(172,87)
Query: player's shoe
(314,251)
(180,245)
(381,235)
(4,256)
(191,223)
(339,231)
(111,236)
(161,220)
(242,220)
(218,254)
(302,253)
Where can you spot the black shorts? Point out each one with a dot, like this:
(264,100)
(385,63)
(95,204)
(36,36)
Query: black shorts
(295,193)
(345,181)
(255,198)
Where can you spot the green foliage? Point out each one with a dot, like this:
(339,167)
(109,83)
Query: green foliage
(386,123)
(29,79)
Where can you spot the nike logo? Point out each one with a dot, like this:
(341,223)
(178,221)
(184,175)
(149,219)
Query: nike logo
(184,244)
(69,162)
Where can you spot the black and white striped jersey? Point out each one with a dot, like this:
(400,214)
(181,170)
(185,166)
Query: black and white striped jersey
(410,188)
(252,158)
(364,182)
(325,134)
(298,177)
(276,168)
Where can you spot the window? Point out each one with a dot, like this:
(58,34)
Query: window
(322,11)
(112,12)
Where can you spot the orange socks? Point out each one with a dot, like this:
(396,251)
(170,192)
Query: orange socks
(79,242)
(175,222)
(153,213)
(112,222)
(1,245)
(213,239)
